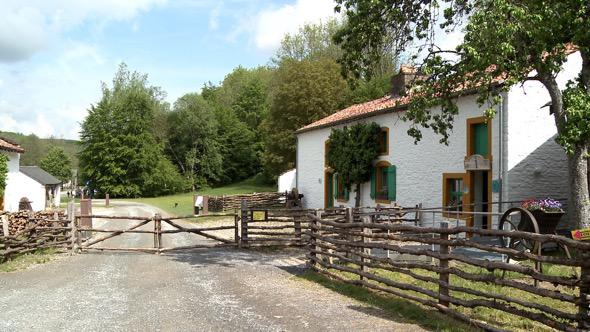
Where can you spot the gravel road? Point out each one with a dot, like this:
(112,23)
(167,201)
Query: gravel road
(199,290)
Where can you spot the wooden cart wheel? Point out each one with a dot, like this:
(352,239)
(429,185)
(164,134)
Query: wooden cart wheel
(519,219)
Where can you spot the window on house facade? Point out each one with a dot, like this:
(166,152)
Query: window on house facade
(454,185)
(384,141)
(383,182)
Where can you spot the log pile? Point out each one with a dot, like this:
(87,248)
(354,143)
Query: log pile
(20,220)
(255,200)
(28,232)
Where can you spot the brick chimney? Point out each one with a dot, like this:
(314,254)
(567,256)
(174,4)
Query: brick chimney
(402,80)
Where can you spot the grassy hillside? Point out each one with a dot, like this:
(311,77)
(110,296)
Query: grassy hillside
(36,148)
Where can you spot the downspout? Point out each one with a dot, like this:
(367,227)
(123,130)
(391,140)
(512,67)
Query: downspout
(503,149)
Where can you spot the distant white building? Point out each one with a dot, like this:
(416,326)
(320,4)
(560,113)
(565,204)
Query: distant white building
(31,182)
(287,181)
(509,158)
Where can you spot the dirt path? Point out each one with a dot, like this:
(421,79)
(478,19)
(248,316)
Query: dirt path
(200,290)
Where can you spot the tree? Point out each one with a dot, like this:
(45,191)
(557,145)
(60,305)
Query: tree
(312,41)
(304,91)
(58,164)
(3,173)
(505,42)
(352,151)
(192,141)
(120,154)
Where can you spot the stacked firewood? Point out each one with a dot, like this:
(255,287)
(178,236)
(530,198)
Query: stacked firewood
(255,200)
(31,231)
(20,220)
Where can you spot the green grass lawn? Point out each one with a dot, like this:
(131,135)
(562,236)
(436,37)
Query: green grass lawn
(185,201)
(431,319)
(25,261)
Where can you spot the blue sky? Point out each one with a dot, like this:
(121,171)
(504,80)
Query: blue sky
(54,54)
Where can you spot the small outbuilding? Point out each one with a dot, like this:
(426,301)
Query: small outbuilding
(40,187)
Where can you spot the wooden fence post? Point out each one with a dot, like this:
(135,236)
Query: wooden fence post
(443,290)
(364,239)
(314,230)
(107,200)
(237,229)
(5,225)
(74,235)
(158,232)
(5,231)
(584,306)
(297,226)
(205,205)
(244,217)
(349,238)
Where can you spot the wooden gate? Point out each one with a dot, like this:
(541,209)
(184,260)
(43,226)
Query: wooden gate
(88,237)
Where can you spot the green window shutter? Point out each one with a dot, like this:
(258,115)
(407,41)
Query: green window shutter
(480,133)
(391,183)
(335,181)
(373,182)
(346,195)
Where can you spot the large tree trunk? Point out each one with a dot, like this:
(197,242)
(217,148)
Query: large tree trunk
(578,203)
(578,207)
(357,199)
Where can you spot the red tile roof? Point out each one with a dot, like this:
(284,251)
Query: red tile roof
(388,104)
(10,146)
(359,111)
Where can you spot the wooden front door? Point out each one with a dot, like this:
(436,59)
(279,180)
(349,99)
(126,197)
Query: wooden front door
(328,190)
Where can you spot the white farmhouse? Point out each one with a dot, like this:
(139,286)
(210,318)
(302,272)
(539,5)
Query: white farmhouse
(42,188)
(30,182)
(509,158)
(9,201)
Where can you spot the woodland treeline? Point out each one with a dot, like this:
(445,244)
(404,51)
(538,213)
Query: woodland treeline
(133,143)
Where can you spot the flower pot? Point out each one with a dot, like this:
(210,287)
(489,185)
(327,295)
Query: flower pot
(547,221)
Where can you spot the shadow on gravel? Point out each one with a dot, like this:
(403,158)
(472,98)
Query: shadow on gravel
(226,257)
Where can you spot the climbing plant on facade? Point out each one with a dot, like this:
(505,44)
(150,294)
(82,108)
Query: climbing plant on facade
(3,172)
(352,152)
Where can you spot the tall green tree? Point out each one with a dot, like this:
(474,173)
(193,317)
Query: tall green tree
(57,163)
(304,91)
(192,141)
(119,151)
(352,151)
(312,41)
(505,41)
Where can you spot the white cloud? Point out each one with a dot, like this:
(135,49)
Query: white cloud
(214,17)
(29,25)
(273,24)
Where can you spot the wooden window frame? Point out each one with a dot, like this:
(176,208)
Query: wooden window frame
(464,198)
(473,121)
(379,180)
(387,143)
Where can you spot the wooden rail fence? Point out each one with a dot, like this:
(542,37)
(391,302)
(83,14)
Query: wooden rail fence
(444,277)
(33,233)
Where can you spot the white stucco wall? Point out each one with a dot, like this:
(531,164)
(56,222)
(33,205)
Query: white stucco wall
(419,167)
(19,185)
(536,164)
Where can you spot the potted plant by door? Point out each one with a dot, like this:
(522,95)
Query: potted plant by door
(546,211)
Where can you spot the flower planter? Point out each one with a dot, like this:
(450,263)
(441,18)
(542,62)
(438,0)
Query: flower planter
(547,221)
